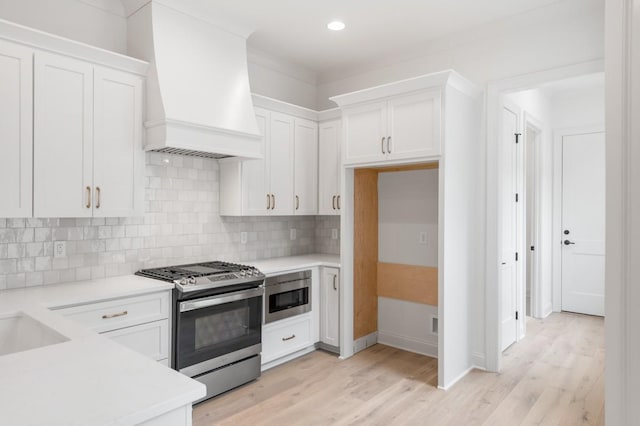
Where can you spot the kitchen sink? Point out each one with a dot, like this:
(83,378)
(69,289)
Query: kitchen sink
(20,332)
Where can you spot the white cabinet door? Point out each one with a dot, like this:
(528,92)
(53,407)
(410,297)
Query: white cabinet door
(281,164)
(365,127)
(255,184)
(63,137)
(118,173)
(414,126)
(306,167)
(16,140)
(330,307)
(329,163)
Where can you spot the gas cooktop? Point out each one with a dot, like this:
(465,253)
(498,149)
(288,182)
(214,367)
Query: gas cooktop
(199,276)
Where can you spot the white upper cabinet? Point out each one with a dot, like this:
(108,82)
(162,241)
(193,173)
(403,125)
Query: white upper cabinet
(16,120)
(88,154)
(329,164)
(118,163)
(70,130)
(366,127)
(63,137)
(306,167)
(281,157)
(393,123)
(285,181)
(256,198)
(414,126)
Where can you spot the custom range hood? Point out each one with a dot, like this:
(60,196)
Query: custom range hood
(198,96)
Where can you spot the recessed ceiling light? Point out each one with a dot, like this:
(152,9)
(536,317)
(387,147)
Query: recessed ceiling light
(336,25)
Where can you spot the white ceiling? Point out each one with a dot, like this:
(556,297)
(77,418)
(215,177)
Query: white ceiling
(296,30)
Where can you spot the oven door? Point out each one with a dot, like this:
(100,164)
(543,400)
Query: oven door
(215,331)
(287,299)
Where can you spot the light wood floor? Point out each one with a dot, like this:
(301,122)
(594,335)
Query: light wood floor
(554,376)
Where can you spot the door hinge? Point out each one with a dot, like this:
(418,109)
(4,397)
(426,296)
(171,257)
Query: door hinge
(516,315)
(516,197)
(516,256)
(517,137)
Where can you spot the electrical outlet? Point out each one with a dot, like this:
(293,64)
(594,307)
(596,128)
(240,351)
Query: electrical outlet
(423,238)
(60,249)
(334,234)
(243,237)
(292,234)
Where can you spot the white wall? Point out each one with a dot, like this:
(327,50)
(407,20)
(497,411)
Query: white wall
(407,206)
(578,108)
(281,80)
(564,33)
(99,23)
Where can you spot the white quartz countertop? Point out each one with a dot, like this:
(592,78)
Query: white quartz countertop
(89,379)
(284,264)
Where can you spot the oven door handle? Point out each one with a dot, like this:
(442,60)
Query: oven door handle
(191,305)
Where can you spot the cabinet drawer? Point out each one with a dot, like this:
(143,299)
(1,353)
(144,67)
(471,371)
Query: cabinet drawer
(283,339)
(150,339)
(115,314)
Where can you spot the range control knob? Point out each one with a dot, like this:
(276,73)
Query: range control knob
(191,280)
(183,281)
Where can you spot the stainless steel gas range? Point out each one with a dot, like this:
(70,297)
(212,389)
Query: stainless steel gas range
(217,322)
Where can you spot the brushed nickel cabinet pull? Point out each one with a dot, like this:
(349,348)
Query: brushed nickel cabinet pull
(335,277)
(97,197)
(297,202)
(88,197)
(293,336)
(273,202)
(382,144)
(389,145)
(334,202)
(268,202)
(338,199)
(119,314)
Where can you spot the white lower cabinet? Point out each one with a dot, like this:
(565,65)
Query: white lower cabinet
(140,323)
(330,308)
(286,337)
(150,339)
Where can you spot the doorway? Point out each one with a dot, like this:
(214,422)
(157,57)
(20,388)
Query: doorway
(547,185)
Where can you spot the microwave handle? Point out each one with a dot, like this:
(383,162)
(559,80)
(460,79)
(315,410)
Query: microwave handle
(191,305)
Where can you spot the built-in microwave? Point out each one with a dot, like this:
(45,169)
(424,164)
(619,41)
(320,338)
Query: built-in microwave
(287,295)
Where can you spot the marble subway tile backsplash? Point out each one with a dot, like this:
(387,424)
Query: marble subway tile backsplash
(181,224)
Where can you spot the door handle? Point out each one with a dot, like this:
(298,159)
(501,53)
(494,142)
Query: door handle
(382,145)
(567,242)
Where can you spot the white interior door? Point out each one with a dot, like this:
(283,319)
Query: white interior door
(583,223)
(508,223)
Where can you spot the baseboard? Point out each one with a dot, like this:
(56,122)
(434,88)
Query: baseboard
(457,379)
(408,344)
(546,311)
(479,361)
(365,341)
(328,348)
(287,358)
